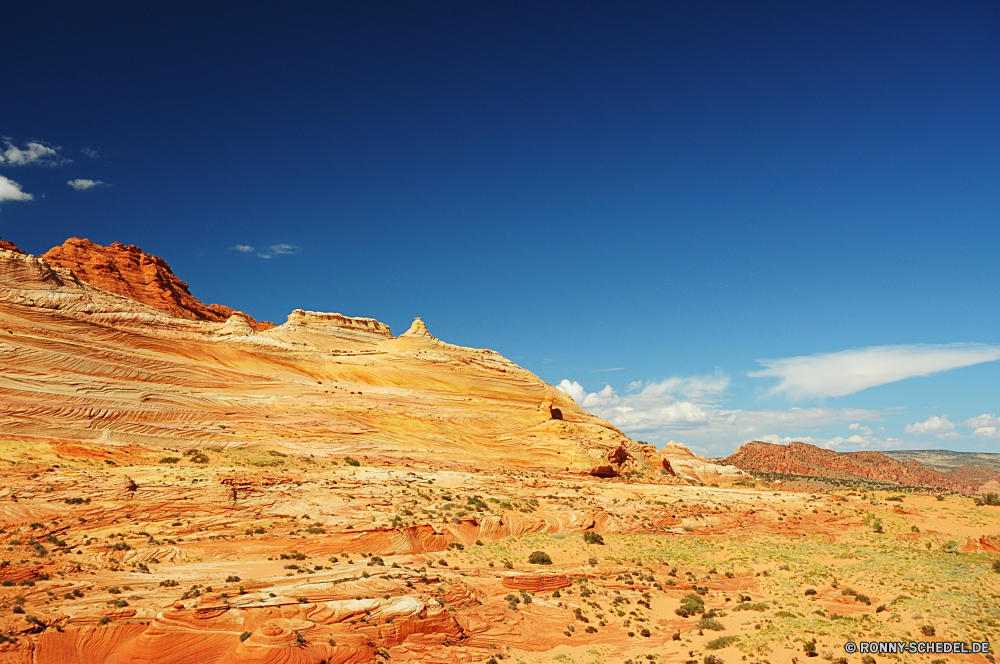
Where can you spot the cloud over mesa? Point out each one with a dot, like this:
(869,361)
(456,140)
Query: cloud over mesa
(849,371)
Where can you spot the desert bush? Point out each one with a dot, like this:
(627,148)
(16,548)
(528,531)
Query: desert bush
(590,537)
(810,591)
(232,578)
(927,630)
(168,583)
(539,558)
(996,566)
(351,462)
(721,642)
(244,636)
(690,605)
(170,459)
(710,623)
(987,499)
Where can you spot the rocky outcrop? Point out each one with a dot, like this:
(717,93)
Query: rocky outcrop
(364,330)
(809,460)
(9,246)
(129,271)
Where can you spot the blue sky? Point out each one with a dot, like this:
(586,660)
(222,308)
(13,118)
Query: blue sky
(675,200)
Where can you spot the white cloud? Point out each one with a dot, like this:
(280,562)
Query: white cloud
(90,152)
(81,184)
(245,248)
(572,388)
(987,432)
(33,153)
(607,370)
(656,411)
(849,371)
(983,420)
(11,191)
(933,424)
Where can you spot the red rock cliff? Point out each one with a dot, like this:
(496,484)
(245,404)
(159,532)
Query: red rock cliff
(129,271)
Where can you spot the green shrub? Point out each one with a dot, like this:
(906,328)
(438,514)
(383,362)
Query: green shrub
(690,605)
(351,462)
(987,499)
(539,558)
(996,566)
(170,459)
(590,537)
(721,642)
(710,623)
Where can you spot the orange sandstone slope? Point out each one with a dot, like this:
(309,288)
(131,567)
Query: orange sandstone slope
(128,270)
(115,362)
(809,460)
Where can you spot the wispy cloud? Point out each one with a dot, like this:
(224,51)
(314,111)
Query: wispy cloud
(90,152)
(33,153)
(270,252)
(82,184)
(11,191)
(849,371)
(606,370)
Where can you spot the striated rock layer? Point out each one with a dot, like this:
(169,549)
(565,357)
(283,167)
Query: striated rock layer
(105,344)
(804,459)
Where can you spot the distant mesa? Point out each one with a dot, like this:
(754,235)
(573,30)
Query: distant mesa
(125,269)
(809,460)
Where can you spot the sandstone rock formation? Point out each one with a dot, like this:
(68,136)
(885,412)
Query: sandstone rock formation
(129,271)
(111,331)
(804,459)
(9,246)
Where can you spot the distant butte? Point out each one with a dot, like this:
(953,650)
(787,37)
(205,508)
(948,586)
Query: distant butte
(125,269)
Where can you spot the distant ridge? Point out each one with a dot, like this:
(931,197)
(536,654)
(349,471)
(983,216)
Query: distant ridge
(812,461)
(945,460)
